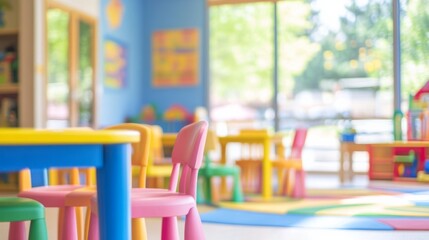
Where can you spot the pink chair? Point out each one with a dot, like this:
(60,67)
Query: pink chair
(139,159)
(169,203)
(54,197)
(290,172)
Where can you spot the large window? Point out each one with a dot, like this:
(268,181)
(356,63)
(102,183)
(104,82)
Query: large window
(415,45)
(241,64)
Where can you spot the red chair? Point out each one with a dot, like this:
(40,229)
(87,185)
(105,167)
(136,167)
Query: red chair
(180,198)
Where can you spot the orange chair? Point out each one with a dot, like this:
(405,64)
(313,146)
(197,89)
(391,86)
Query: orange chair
(139,158)
(180,198)
(290,173)
(250,162)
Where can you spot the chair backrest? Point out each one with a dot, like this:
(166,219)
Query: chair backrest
(298,143)
(187,156)
(252,151)
(140,150)
(156,146)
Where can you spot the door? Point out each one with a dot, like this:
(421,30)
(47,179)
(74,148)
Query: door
(71,62)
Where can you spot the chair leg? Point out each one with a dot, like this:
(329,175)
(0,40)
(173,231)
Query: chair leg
(93,232)
(280,180)
(138,226)
(237,193)
(69,227)
(38,230)
(193,226)
(290,182)
(17,231)
(87,221)
(79,223)
(208,190)
(200,189)
(170,230)
(299,189)
(60,223)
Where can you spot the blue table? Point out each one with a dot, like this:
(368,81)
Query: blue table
(105,149)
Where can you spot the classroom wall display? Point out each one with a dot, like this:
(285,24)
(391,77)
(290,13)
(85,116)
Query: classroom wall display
(114,13)
(115,64)
(175,58)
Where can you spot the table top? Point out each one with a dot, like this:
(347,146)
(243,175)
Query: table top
(252,137)
(26,136)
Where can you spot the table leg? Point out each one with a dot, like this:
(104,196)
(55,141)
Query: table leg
(266,172)
(341,170)
(113,190)
(350,166)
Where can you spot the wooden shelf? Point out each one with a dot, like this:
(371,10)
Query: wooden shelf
(9,88)
(8,31)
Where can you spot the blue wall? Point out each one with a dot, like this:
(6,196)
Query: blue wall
(141,18)
(117,104)
(175,14)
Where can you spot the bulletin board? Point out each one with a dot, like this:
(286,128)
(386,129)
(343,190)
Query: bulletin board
(115,64)
(175,58)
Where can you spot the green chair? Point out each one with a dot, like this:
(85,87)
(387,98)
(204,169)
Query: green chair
(17,210)
(209,170)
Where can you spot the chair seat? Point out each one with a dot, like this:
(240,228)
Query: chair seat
(50,196)
(14,209)
(81,197)
(288,163)
(160,204)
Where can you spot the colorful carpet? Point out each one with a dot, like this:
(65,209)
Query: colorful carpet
(359,209)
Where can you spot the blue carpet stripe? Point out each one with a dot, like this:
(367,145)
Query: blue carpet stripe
(238,217)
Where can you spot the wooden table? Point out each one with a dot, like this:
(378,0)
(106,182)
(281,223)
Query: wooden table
(265,141)
(346,155)
(107,150)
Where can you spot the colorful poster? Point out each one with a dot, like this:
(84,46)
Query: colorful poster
(175,56)
(115,64)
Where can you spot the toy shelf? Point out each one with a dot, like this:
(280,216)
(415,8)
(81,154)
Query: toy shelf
(397,160)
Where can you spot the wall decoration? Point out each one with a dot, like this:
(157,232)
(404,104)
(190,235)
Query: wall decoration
(115,64)
(175,58)
(114,13)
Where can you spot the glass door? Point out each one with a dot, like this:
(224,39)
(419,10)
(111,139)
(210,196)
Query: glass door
(71,69)
(58,64)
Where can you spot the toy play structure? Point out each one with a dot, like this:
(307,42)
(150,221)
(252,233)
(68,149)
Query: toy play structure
(418,115)
(405,160)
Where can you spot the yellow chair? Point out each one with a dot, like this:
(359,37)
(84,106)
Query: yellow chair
(158,167)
